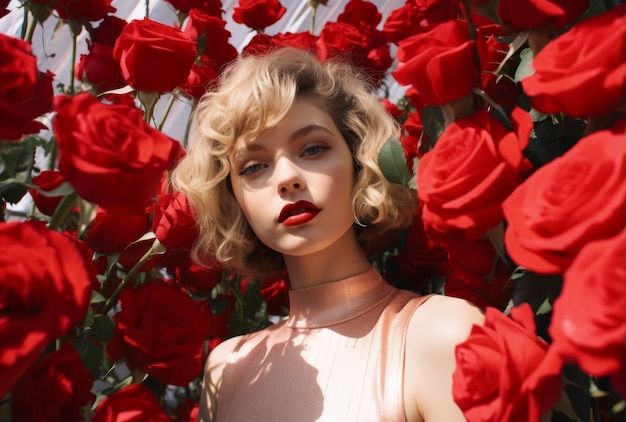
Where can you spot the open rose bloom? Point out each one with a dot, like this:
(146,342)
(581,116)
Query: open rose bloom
(512,143)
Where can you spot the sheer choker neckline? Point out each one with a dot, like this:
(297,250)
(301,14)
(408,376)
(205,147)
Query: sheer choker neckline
(340,301)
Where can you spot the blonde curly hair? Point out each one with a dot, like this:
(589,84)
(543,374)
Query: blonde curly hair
(254,94)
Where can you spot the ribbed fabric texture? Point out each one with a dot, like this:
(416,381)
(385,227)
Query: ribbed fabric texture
(338,357)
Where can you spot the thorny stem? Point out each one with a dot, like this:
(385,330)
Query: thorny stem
(185,140)
(111,300)
(468,17)
(62,210)
(148,99)
(168,108)
(73,60)
(472,31)
(238,299)
(313,16)
(30,29)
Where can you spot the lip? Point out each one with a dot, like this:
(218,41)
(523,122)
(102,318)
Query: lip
(299,212)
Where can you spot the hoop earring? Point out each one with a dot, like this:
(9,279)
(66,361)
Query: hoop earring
(356,220)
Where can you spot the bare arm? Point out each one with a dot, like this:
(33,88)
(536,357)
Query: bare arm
(434,331)
(212,380)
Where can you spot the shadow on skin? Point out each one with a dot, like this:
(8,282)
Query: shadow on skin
(266,381)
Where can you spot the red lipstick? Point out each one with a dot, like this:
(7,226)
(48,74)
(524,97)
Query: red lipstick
(300,212)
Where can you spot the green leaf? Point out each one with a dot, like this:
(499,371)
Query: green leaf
(12,192)
(89,319)
(219,305)
(392,162)
(17,157)
(433,122)
(102,328)
(544,308)
(97,297)
(91,355)
(412,183)
(534,289)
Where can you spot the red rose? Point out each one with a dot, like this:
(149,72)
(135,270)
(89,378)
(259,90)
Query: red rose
(582,72)
(154,56)
(392,108)
(360,12)
(217,312)
(187,411)
(174,223)
(363,45)
(302,40)
(54,389)
(110,233)
(135,251)
(48,180)
(420,258)
(574,199)
(190,275)
(44,292)
(439,63)
(402,23)
(109,30)
(473,275)
(261,42)
(88,10)
(495,381)
(199,79)
(528,14)
(415,141)
(25,93)
(411,19)
(473,167)
(109,154)
(275,292)
(212,7)
(159,330)
(132,403)
(589,320)
(214,50)
(338,38)
(258,14)
(211,27)
(99,68)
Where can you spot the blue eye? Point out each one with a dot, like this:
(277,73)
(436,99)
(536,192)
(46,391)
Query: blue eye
(251,168)
(314,149)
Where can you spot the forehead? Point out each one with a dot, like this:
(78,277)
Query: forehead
(306,116)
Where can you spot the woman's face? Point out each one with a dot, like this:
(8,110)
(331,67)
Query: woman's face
(294,182)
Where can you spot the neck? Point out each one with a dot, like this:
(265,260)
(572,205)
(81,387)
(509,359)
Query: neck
(341,260)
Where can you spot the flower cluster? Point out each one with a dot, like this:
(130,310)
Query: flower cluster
(514,128)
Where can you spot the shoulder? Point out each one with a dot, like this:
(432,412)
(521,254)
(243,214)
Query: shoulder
(219,355)
(212,379)
(444,321)
(435,329)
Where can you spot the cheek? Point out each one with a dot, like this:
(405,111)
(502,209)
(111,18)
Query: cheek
(341,179)
(254,206)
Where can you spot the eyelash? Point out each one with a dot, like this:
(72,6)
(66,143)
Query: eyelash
(252,167)
(316,145)
(246,171)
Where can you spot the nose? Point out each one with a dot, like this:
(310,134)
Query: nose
(288,177)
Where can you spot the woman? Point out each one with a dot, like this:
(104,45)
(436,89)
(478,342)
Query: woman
(282,172)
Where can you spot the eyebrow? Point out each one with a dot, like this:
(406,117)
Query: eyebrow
(306,130)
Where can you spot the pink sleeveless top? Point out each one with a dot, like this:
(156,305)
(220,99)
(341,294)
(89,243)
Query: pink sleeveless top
(338,357)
